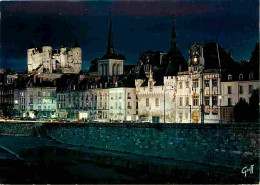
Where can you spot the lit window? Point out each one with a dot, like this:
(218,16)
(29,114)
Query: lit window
(229,77)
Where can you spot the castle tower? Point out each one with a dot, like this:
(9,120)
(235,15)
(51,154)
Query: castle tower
(46,58)
(77,57)
(63,55)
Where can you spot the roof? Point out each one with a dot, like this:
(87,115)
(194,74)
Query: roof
(141,74)
(113,56)
(169,70)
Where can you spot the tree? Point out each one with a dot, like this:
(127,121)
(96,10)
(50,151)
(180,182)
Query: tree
(253,108)
(241,111)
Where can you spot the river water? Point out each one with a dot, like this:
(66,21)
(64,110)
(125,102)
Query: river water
(42,160)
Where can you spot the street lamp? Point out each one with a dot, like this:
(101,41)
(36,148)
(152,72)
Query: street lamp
(164,100)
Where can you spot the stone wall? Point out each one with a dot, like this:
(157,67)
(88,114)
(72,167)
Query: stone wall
(227,145)
(17,129)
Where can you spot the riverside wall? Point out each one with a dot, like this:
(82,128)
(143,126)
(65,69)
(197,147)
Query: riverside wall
(225,145)
(213,144)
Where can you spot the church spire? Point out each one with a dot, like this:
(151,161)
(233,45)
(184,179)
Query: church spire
(110,47)
(173,36)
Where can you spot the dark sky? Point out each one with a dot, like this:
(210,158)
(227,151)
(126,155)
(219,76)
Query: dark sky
(137,26)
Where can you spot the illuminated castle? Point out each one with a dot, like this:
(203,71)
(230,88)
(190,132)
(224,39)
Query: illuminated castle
(48,60)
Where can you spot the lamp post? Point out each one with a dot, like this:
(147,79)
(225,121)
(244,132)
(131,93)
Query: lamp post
(164,100)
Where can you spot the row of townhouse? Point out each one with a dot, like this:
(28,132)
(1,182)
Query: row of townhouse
(96,102)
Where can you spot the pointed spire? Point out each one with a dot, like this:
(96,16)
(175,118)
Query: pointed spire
(173,36)
(110,47)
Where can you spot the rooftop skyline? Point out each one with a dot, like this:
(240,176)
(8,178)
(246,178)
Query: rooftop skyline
(137,26)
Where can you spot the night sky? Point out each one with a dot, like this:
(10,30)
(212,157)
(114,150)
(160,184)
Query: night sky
(137,26)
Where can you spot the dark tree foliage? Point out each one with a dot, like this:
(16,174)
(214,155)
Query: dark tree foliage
(241,111)
(253,108)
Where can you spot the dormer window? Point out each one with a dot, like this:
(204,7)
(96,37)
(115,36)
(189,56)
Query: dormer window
(229,77)
(251,76)
(240,76)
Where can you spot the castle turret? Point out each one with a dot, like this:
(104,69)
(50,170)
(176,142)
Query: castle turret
(46,58)
(63,55)
(77,57)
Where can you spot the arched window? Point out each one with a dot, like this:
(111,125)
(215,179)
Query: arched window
(114,69)
(240,76)
(251,76)
(229,77)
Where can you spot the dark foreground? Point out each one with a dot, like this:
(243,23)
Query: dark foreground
(41,160)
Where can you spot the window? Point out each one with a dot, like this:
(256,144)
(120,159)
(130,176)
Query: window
(151,85)
(147,102)
(180,85)
(39,94)
(214,100)
(195,83)
(156,102)
(229,77)
(187,101)
(129,105)
(128,96)
(240,76)
(206,83)
(207,100)
(195,100)
(180,103)
(229,90)
(250,89)
(240,89)
(187,84)
(229,102)
(251,76)
(120,95)
(214,82)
